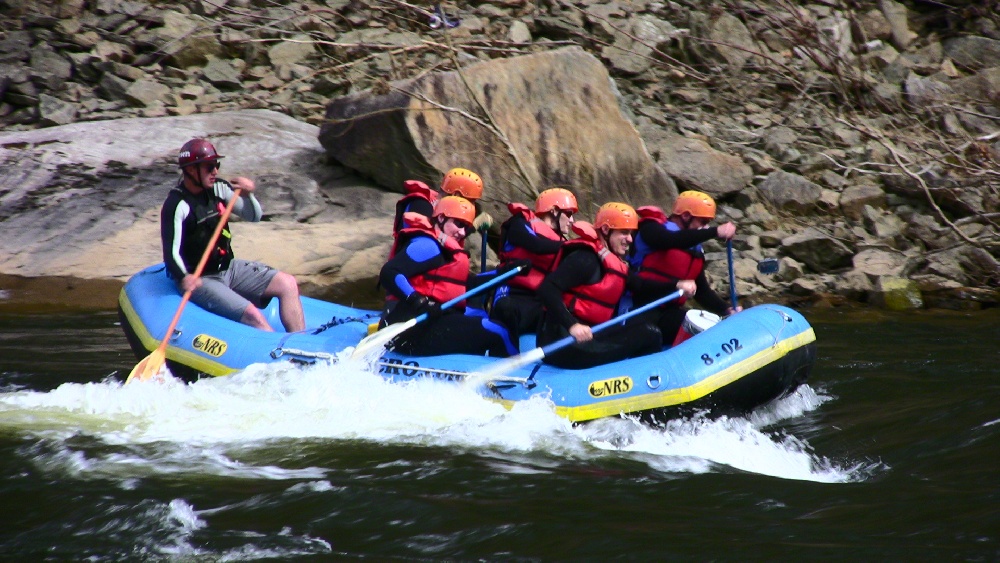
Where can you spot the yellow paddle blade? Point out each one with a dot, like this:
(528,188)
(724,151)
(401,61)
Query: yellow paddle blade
(148,367)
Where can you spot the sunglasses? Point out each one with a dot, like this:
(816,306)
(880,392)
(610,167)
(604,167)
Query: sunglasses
(214,165)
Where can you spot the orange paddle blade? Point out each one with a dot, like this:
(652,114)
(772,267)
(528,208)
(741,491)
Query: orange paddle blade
(148,367)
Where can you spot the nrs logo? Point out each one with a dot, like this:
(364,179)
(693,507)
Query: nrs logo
(607,387)
(209,345)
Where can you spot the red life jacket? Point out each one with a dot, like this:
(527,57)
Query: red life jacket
(595,303)
(445,282)
(415,189)
(669,264)
(541,264)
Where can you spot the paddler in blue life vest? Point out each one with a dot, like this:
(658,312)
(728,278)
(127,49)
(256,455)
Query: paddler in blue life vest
(669,249)
(428,267)
(536,237)
(228,286)
(584,289)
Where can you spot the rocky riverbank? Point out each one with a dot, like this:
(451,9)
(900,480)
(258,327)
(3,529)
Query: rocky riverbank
(857,144)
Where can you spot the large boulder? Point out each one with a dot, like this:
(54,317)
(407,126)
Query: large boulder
(523,124)
(83,200)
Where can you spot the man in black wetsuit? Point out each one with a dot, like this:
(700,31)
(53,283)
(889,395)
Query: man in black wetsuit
(228,287)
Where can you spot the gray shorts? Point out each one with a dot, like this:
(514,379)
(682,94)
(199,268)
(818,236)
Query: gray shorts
(228,292)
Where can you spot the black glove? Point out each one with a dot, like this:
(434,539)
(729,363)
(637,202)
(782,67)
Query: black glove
(514,264)
(421,304)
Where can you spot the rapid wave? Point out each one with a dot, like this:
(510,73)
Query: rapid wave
(229,426)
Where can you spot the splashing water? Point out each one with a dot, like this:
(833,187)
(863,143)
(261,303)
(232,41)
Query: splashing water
(172,427)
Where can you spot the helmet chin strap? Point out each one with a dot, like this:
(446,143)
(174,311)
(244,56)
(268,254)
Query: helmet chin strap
(197,180)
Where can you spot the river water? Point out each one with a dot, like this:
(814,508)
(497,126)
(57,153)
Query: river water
(888,453)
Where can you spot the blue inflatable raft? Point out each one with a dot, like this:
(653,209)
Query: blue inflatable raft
(743,362)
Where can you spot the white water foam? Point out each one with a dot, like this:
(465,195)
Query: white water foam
(201,428)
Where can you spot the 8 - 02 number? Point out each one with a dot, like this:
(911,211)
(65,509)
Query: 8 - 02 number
(728,347)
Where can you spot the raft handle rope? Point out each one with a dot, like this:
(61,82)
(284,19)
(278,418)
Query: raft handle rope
(338,321)
(785,321)
(279,352)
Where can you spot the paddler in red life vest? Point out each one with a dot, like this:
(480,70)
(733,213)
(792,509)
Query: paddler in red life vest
(419,198)
(669,249)
(589,279)
(535,237)
(467,184)
(429,266)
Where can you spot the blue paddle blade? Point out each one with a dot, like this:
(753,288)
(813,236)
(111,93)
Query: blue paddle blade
(768,266)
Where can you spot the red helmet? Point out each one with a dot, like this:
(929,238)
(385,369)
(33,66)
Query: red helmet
(455,207)
(196,151)
(616,216)
(696,203)
(466,183)
(558,198)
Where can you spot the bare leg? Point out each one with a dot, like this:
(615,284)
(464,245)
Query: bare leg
(286,289)
(253,317)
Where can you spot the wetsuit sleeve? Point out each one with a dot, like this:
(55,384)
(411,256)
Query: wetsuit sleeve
(247,208)
(708,298)
(658,237)
(421,254)
(519,234)
(647,290)
(421,206)
(577,268)
(175,211)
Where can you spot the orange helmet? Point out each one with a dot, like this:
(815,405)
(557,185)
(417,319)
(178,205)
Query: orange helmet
(616,216)
(455,207)
(698,204)
(556,198)
(459,181)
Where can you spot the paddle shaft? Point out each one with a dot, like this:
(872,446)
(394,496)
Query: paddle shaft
(385,335)
(482,253)
(199,269)
(504,276)
(563,342)
(732,274)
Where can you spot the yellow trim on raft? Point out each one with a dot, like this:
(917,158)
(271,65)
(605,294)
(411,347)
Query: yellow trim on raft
(649,401)
(177,354)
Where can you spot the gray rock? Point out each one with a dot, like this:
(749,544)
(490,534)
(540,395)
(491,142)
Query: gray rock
(817,250)
(145,93)
(877,263)
(632,50)
(519,32)
(187,40)
(97,188)
(791,192)
(973,52)
(424,127)
(896,14)
(111,87)
(224,74)
(291,51)
(733,40)
(697,166)
(53,111)
(854,199)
